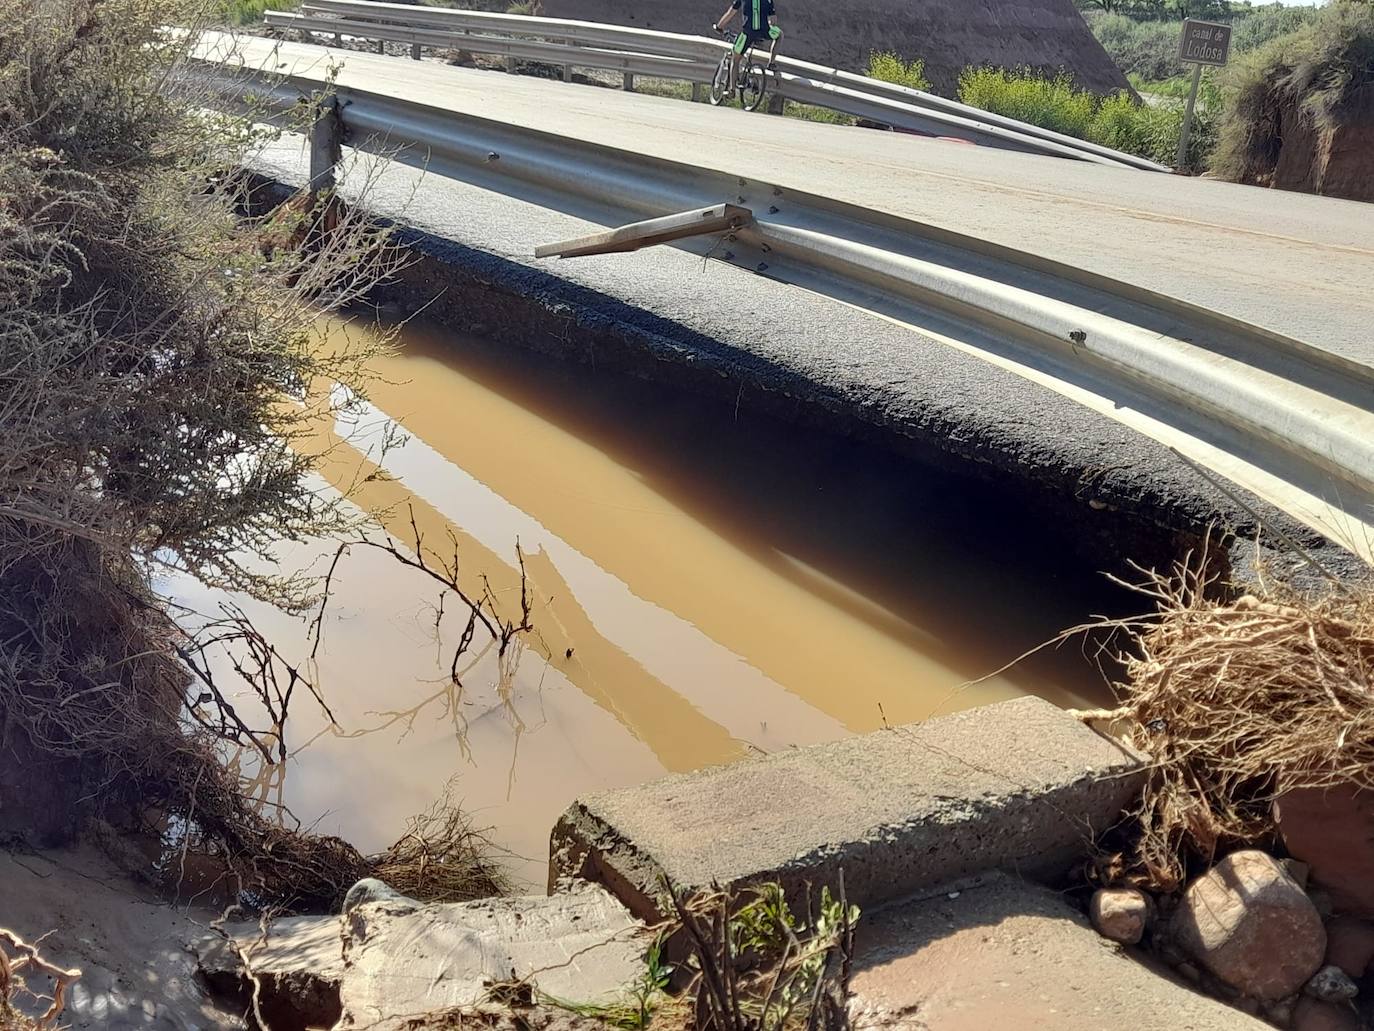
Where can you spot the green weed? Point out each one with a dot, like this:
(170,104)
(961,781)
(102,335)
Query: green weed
(888,67)
(643,998)
(1023,95)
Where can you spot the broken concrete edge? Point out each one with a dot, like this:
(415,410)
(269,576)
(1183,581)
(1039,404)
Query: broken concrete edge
(1121,509)
(970,792)
(388,955)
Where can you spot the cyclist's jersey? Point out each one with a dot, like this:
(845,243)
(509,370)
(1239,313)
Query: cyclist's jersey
(756,14)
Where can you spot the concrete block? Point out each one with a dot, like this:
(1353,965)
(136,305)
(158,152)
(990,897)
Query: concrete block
(1020,785)
(1000,953)
(580,947)
(392,956)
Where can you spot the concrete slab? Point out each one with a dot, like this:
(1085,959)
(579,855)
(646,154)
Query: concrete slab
(1020,784)
(1001,954)
(580,947)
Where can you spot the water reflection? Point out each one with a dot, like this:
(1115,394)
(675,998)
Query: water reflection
(704,583)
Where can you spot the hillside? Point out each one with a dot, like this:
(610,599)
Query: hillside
(1042,34)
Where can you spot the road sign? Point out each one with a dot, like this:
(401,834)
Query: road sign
(1204,42)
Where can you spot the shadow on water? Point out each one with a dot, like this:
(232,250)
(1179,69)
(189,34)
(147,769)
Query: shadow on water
(954,567)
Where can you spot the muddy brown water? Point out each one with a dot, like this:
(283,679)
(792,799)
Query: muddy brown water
(705,584)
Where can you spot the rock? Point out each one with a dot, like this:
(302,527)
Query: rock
(1349,945)
(370,889)
(1332,830)
(1331,984)
(1120,914)
(1297,870)
(1280,1013)
(1311,1015)
(1250,924)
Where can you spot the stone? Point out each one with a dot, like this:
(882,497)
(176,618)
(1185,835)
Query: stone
(1120,914)
(582,947)
(370,889)
(1312,1015)
(1331,984)
(1299,871)
(1006,955)
(1350,945)
(1020,785)
(1251,926)
(1332,830)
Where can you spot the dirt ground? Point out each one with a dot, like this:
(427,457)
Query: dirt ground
(134,950)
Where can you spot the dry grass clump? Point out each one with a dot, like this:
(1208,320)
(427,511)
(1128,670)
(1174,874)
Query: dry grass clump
(441,857)
(1238,701)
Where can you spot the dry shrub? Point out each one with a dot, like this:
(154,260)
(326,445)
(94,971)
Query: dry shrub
(441,858)
(1238,701)
(161,389)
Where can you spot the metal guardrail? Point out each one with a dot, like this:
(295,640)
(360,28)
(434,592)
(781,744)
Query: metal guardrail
(593,44)
(1300,412)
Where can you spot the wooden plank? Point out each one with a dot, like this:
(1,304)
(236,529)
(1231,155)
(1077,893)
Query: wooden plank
(719,218)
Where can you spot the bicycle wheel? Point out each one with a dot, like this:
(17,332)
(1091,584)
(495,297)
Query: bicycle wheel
(754,87)
(720,85)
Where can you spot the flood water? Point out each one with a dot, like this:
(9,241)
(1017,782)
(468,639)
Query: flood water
(706,583)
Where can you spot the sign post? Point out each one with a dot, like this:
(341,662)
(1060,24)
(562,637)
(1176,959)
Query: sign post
(1203,43)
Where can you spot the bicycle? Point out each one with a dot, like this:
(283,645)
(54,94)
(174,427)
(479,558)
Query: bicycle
(751,82)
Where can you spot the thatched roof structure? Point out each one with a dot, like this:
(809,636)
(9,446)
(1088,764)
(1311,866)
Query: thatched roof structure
(950,34)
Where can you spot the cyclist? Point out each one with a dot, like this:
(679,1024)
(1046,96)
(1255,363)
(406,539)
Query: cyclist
(759,20)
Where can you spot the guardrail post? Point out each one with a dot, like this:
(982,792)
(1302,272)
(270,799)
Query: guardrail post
(381,46)
(510,63)
(775,103)
(338,40)
(629,82)
(326,143)
(415,51)
(698,92)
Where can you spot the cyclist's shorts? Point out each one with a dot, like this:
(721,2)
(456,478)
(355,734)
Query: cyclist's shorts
(748,38)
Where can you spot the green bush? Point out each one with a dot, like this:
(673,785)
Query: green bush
(1118,124)
(1023,95)
(1270,21)
(888,67)
(1146,49)
(1117,121)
